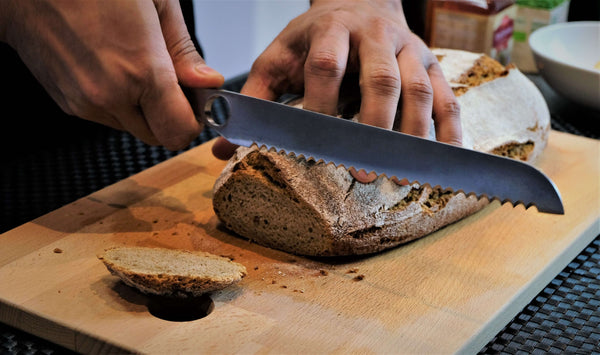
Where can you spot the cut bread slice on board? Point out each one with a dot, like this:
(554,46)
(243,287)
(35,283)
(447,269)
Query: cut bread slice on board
(169,272)
(318,209)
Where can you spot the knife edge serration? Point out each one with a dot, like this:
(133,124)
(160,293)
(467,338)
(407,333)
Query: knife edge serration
(300,157)
(349,143)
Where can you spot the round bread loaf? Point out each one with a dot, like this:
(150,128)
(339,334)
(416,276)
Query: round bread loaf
(318,209)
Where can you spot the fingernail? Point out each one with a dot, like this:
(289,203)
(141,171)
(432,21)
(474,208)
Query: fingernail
(206,70)
(402,182)
(362,176)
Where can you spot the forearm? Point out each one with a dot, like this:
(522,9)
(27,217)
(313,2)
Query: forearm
(6,17)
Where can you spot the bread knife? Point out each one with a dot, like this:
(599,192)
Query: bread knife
(305,134)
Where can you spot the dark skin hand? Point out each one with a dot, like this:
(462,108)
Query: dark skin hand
(369,37)
(126,71)
(114,62)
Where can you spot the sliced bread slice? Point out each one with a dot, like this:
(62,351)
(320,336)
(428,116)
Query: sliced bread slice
(170,272)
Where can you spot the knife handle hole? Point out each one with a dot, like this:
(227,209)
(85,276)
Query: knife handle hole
(217,111)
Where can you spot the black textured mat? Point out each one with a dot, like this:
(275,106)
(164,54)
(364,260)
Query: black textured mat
(564,318)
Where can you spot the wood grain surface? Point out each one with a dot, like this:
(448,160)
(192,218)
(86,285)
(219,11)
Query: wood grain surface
(449,292)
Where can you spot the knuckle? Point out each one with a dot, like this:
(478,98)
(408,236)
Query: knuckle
(324,64)
(382,27)
(181,47)
(70,108)
(329,22)
(451,107)
(419,89)
(89,98)
(153,82)
(383,81)
(98,98)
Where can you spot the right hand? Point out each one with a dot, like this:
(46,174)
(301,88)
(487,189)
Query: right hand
(369,38)
(118,63)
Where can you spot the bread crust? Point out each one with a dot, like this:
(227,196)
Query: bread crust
(177,282)
(318,209)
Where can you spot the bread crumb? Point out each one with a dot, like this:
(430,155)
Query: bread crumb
(58,250)
(323,272)
(283,286)
(352,271)
(230,257)
(359,277)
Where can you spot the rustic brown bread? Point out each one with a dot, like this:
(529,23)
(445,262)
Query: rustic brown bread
(169,272)
(316,209)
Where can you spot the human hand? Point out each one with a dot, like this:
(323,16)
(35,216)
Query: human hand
(333,38)
(115,62)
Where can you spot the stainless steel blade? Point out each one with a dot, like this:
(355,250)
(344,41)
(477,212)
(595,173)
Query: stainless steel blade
(343,142)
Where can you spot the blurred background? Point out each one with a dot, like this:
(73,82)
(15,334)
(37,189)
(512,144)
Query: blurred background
(233,33)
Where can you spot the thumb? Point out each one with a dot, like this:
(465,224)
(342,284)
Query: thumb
(190,68)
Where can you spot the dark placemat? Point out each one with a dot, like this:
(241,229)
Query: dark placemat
(563,318)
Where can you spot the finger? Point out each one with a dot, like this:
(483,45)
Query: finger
(417,93)
(362,176)
(163,103)
(167,111)
(257,85)
(446,110)
(132,120)
(117,115)
(379,84)
(264,82)
(191,69)
(223,149)
(271,72)
(325,67)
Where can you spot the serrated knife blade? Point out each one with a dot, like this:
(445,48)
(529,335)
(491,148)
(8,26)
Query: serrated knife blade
(342,142)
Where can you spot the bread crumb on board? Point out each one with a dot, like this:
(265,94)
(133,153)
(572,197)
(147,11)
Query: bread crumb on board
(358,277)
(58,250)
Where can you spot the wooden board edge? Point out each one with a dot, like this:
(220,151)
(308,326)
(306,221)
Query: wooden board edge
(55,332)
(503,317)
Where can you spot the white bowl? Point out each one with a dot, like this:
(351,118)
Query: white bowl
(565,55)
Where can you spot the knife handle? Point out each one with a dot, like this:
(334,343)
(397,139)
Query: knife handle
(210,106)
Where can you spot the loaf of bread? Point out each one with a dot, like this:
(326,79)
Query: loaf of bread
(317,209)
(172,273)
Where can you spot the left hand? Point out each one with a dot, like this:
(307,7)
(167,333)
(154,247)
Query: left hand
(114,62)
(369,37)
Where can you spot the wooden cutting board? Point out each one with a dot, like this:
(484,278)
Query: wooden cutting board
(451,291)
